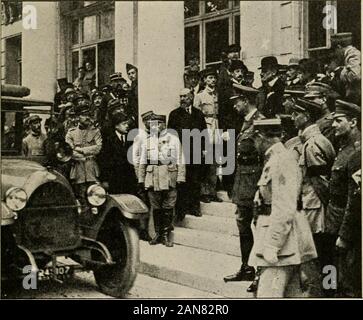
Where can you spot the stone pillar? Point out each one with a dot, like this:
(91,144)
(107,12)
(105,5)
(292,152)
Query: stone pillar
(160,54)
(39,51)
(125,35)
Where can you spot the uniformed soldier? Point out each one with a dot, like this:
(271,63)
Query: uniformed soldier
(33,143)
(280,229)
(346,124)
(247,174)
(86,142)
(207,102)
(161,169)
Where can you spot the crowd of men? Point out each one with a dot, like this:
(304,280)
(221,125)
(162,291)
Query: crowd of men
(297,176)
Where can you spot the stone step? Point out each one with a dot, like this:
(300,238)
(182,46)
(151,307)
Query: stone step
(224,196)
(207,240)
(195,268)
(218,209)
(210,223)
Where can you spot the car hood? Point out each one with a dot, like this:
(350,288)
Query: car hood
(26,174)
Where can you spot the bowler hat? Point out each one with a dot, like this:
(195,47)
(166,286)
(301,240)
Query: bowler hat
(119,117)
(237,64)
(233,48)
(268,62)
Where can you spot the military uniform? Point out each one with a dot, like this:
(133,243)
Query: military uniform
(85,170)
(161,168)
(283,239)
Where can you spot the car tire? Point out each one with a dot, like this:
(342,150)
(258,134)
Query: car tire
(122,240)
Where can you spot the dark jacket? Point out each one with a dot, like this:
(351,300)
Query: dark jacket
(248,164)
(271,98)
(115,167)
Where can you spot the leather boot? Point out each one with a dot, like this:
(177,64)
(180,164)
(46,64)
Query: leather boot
(158,228)
(167,228)
(246,273)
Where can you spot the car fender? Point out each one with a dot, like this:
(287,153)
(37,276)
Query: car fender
(130,206)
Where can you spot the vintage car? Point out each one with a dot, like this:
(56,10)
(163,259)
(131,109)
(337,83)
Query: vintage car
(44,226)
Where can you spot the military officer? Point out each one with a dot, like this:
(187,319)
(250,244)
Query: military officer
(346,124)
(207,102)
(279,227)
(246,177)
(161,169)
(33,143)
(86,142)
(316,158)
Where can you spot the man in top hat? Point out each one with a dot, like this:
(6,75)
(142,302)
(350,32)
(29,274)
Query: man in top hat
(279,227)
(272,90)
(117,172)
(247,173)
(207,102)
(293,79)
(86,142)
(187,117)
(349,58)
(33,143)
(161,169)
(347,128)
(316,159)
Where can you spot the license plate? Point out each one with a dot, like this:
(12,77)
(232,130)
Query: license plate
(61,273)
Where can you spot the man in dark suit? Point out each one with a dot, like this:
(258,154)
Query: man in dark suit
(117,173)
(272,90)
(188,117)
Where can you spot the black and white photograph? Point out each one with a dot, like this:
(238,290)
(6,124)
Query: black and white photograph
(205,150)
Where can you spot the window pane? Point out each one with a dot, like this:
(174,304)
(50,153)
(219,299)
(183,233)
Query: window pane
(191,8)
(317,34)
(215,5)
(349,15)
(89,28)
(75,31)
(216,39)
(237,31)
(75,64)
(107,24)
(236,3)
(191,43)
(106,61)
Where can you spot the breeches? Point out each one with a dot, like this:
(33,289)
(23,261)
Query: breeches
(164,199)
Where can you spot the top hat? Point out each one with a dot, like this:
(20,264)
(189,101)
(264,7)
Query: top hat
(267,62)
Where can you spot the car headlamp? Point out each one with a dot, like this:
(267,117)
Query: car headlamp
(96,195)
(16,198)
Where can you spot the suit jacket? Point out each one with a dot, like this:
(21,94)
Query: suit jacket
(271,98)
(180,119)
(115,167)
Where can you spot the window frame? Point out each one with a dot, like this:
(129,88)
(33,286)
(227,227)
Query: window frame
(203,18)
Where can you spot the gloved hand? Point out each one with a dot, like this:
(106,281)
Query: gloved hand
(270,254)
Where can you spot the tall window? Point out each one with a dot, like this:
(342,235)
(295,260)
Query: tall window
(92,32)
(13,60)
(348,17)
(210,26)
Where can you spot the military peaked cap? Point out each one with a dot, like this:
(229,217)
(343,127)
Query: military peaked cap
(344,108)
(116,76)
(147,115)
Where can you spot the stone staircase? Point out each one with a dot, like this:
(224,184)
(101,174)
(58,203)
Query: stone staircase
(205,250)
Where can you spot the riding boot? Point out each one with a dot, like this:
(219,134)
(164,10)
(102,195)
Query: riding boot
(167,227)
(158,227)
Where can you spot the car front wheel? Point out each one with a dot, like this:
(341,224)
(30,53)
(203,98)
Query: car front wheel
(122,240)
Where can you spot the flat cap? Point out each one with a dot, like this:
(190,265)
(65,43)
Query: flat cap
(344,39)
(119,117)
(146,116)
(243,91)
(273,125)
(304,105)
(116,76)
(129,67)
(344,108)
(317,89)
(237,64)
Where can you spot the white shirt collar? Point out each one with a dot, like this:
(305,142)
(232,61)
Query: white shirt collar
(119,135)
(272,82)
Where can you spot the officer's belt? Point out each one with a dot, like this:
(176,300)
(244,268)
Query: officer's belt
(159,163)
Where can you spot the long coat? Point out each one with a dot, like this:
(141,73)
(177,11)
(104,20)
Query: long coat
(249,167)
(115,166)
(270,99)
